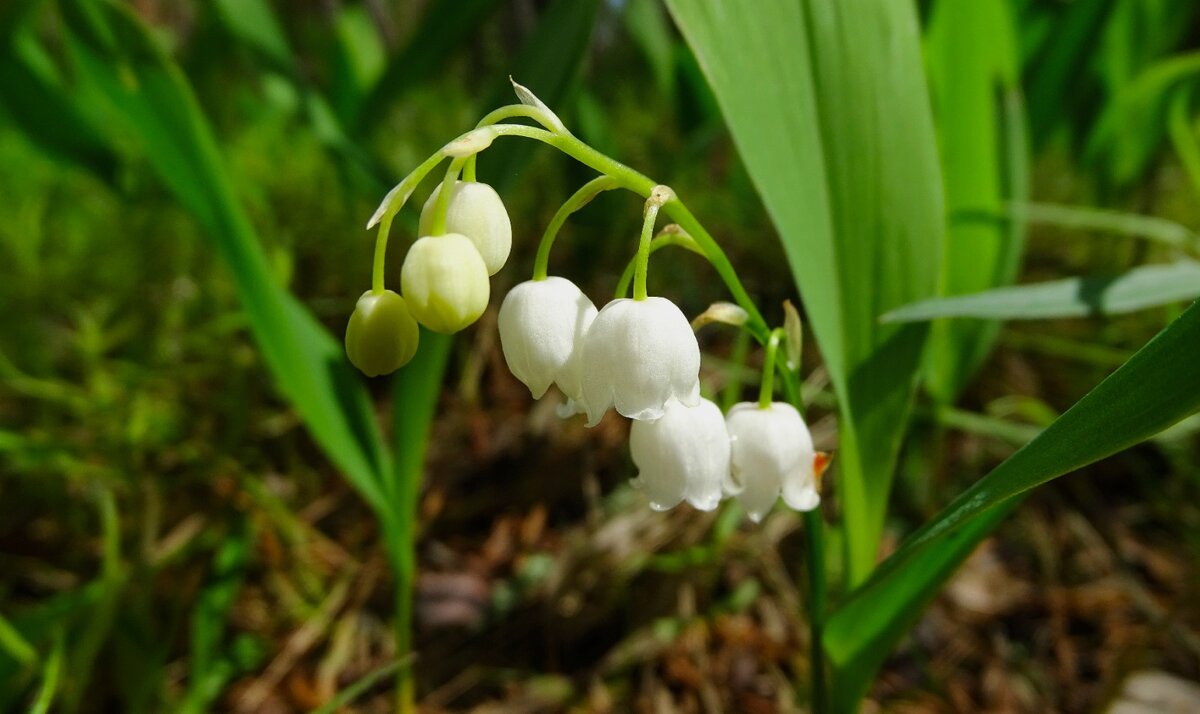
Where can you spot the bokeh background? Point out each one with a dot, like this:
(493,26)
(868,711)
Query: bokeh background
(171,538)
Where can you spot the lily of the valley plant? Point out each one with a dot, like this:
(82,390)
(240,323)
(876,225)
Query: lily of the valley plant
(637,355)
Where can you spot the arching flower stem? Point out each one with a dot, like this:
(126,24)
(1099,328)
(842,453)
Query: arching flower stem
(578,200)
(659,196)
(666,237)
(443,200)
(766,390)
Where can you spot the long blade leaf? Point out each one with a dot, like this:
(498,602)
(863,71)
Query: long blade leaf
(121,70)
(1140,288)
(1156,388)
(828,107)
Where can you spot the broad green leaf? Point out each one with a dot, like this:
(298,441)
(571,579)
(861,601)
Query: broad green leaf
(827,104)
(1140,288)
(1156,388)
(120,70)
(977,107)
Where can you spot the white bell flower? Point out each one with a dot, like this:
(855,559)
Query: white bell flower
(475,211)
(682,456)
(542,326)
(771,451)
(637,355)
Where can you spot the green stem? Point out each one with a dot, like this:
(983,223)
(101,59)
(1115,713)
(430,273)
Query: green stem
(642,185)
(442,206)
(388,208)
(660,241)
(766,390)
(511,111)
(643,253)
(814,528)
(381,241)
(578,200)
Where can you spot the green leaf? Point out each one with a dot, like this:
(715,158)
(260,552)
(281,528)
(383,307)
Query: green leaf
(120,70)
(827,104)
(208,672)
(548,63)
(1102,220)
(254,22)
(1140,288)
(445,25)
(1134,124)
(1156,388)
(980,120)
(649,29)
(34,96)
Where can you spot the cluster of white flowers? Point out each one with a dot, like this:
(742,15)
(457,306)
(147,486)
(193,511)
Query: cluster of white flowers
(641,358)
(638,356)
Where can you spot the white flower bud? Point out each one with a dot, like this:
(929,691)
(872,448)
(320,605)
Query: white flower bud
(683,455)
(475,211)
(445,282)
(542,326)
(771,451)
(637,355)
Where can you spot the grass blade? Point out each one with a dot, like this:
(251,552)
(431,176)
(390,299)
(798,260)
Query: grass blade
(121,70)
(828,107)
(445,25)
(1140,288)
(1156,388)
(1103,220)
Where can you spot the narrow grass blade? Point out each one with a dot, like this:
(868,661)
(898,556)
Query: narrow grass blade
(971,50)
(254,22)
(120,70)
(445,25)
(548,62)
(650,30)
(206,675)
(51,674)
(14,644)
(828,107)
(357,689)
(1103,220)
(34,96)
(1156,388)
(1138,289)
(1134,125)
(1054,67)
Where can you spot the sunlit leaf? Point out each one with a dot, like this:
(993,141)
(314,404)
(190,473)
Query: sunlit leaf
(120,69)
(829,110)
(1140,288)
(1156,388)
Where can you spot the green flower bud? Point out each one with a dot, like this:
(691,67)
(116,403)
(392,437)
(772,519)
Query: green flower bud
(445,281)
(382,335)
(475,211)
